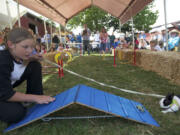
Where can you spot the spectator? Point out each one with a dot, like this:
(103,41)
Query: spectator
(53,48)
(79,40)
(43,48)
(38,38)
(60,48)
(97,40)
(103,38)
(128,39)
(38,48)
(56,41)
(47,38)
(164,38)
(116,42)
(174,40)
(142,35)
(136,43)
(112,38)
(153,44)
(86,35)
(142,44)
(161,44)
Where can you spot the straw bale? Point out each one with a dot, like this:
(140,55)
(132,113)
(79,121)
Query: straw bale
(128,55)
(49,56)
(166,64)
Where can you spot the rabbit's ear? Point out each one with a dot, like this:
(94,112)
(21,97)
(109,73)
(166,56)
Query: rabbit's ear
(170,96)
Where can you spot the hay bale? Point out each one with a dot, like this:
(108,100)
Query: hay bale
(166,64)
(128,55)
(49,56)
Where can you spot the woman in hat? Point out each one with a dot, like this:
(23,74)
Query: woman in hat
(174,40)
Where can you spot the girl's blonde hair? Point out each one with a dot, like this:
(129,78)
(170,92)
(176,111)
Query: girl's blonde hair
(17,35)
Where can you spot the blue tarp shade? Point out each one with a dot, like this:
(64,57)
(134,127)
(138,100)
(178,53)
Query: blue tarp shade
(92,98)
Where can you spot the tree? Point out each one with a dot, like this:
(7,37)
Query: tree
(96,18)
(145,19)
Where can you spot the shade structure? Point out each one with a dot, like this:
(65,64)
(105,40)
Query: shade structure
(91,98)
(63,10)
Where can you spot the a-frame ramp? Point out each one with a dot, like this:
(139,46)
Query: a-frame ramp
(92,98)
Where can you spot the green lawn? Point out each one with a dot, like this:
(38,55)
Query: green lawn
(123,76)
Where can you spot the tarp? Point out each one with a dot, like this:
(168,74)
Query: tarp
(63,10)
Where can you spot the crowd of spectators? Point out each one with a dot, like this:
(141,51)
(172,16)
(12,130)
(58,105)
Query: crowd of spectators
(102,42)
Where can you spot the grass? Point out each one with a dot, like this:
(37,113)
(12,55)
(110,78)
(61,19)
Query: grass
(123,76)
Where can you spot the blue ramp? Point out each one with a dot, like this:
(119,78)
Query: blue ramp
(92,98)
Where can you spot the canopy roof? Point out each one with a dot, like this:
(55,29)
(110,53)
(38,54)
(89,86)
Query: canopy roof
(63,10)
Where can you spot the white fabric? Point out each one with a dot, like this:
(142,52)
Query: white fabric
(17,73)
(157,48)
(177,100)
(2,47)
(5,18)
(96,37)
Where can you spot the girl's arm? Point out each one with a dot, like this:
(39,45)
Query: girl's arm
(40,99)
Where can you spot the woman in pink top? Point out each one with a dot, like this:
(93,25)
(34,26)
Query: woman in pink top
(103,38)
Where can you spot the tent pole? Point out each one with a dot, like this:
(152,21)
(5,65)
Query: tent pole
(46,40)
(60,32)
(132,31)
(65,34)
(9,14)
(165,19)
(51,33)
(119,26)
(134,57)
(19,22)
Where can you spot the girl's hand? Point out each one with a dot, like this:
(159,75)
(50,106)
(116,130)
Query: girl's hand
(37,56)
(42,99)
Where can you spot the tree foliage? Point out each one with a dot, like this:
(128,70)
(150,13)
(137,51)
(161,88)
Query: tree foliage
(96,18)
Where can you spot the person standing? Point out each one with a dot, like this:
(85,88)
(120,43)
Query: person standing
(86,36)
(79,40)
(103,38)
(97,40)
(112,38)
(56,41)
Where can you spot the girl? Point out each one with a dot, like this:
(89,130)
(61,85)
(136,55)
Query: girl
(19,47)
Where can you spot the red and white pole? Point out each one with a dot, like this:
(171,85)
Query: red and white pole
(59,70)
(134,57)
(114,58)
(62,73)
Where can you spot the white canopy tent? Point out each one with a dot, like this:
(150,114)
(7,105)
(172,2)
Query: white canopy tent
(6,19)
(62,10)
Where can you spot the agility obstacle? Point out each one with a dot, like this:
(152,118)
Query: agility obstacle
(58,58)
(86,96)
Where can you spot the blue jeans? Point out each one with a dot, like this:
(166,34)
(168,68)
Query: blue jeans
(103,47)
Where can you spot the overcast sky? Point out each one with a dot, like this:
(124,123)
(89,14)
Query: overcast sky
(172,9)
